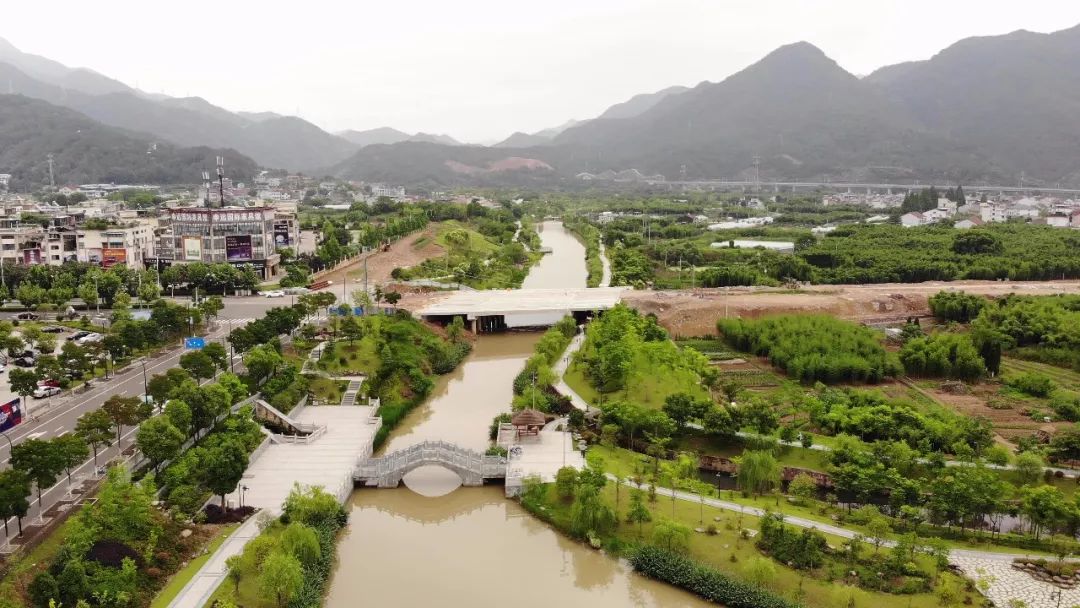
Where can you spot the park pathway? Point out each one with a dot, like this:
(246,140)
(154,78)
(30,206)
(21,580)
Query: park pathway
(605,280)
(560,370)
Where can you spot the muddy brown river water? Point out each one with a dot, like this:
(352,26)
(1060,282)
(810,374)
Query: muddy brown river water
(430,543)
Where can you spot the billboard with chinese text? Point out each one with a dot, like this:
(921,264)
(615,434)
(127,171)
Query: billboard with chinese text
(113,256)
(238,247)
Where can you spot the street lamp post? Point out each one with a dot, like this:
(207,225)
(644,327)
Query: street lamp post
(144,383)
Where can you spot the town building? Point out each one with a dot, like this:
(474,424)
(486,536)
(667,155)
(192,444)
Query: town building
(992,212)
(240,236)
(913,218)
(5,181)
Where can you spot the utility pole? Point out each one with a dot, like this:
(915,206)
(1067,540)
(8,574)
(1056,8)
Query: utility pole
(365,275)
(221,180)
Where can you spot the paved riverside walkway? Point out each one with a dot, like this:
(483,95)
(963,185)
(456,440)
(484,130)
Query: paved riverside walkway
(605,280)
(560,369)
(328,461)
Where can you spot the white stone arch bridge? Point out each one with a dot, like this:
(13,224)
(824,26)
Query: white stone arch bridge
(387,471)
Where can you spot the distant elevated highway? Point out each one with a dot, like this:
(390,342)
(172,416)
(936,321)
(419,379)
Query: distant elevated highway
(856,186)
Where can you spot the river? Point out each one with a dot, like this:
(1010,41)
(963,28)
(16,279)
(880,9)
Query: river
(429,545)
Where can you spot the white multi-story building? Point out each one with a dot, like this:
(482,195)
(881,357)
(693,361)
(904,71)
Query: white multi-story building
(378,190)
(129,245)
(992,212)
(5,181)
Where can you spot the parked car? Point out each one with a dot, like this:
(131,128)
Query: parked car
(53,329)
(297,291)
(89,339)
(48,382)
(274,294)
(25,362)
(3,367)
(78,335)
(47,391)
(27,316)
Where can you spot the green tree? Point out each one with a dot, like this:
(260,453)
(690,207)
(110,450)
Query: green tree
(224,466)
(1029,467)
(95,428)
(41,460)
(803,488)
(235,567)
(179,414)
(566,481)
(300,541)
(217,354)
(758,472)
(281,578)
(1046,508)
(455,329)
(88,294)
(684,407)
(878,528)
(14,491)
(638,513)
(589,514)
(122,411)
(198,364)
(262,361)
(671,535)
(159,440)
(23,382)
(73,451)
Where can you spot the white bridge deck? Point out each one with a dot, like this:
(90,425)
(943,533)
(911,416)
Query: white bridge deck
(523,303)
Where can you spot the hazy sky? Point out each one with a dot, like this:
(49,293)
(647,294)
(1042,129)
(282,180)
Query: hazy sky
(480,69)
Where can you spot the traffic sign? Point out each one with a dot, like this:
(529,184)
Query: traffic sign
(194,343)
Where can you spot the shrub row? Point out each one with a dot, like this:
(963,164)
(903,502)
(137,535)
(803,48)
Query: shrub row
(675,569)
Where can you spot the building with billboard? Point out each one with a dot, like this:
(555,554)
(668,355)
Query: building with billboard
(237,235)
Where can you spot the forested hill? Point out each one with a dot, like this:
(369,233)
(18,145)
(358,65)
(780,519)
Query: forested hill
(86,151)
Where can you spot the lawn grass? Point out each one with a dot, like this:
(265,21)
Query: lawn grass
(647,384)
(360,356)
(728,552)
(327,390)
(22,565)
(181,578)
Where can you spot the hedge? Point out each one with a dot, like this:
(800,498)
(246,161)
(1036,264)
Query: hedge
(702,580)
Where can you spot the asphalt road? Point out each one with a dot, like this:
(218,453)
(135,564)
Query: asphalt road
(50,418)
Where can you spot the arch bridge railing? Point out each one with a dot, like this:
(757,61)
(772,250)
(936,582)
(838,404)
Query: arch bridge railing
(472,466)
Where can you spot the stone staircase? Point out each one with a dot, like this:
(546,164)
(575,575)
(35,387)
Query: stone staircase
(349,398)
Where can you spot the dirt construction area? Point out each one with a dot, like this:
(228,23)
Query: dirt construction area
(688,313)
(408,251)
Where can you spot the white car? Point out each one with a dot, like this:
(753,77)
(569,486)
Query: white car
(47,391)
(274,294)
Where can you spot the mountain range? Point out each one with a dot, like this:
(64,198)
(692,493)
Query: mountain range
(986,109)
(991,109)
(86,151)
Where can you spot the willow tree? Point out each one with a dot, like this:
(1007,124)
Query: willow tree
(758,472)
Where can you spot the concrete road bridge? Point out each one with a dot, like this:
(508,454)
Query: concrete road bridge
(473,468)
(496,310)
